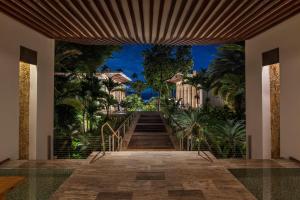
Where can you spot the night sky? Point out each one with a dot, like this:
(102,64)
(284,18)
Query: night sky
(130,60)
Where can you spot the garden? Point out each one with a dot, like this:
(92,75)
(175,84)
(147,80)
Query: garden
(83,102)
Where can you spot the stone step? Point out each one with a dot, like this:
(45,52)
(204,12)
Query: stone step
(150,121)
(150,133)
(150,127)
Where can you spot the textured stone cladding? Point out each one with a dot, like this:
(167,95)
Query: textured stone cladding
(24,90)
(275,109)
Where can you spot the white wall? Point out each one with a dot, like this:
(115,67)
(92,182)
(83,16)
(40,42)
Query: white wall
(12,36)
(286,37)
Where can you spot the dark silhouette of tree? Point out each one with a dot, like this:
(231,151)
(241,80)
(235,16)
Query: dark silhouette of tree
(163,62)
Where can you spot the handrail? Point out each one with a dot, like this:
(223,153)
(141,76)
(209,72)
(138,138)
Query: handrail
(125,121)
(115,133)
(190,134)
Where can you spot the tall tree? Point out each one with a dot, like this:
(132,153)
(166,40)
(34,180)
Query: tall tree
(138,86)
(230,58)
(202,80)
(110,86)
(163,62)
(228,73)
(77,92)
(88,58)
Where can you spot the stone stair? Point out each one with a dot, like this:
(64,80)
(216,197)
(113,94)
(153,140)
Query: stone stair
(150,133)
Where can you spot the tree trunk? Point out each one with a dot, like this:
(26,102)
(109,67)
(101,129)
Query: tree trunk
(158,102)
(83,121)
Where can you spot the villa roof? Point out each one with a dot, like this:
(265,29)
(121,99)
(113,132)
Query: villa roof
(175,22)
(179,77)
(176,78)
(119,77)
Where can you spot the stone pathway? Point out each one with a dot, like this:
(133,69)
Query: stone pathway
(152,175)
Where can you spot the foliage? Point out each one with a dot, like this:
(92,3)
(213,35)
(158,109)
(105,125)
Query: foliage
(230,59)
(138,86)
(80,97)
(202,80)
(73,57)
(232,89)
(228,73)
(170,106)
(216,129)
(163,62)
(230,136)
(151,105)
(133,103)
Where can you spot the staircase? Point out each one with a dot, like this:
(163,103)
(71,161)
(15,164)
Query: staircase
(150,134)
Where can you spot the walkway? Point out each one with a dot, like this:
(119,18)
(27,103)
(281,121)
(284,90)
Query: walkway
(150,133)
(155,175)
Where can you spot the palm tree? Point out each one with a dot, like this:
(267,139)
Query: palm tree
(202,80)
(193,122)
(138,86)
(111,86)
(230,58)
(232,89)
(231,136)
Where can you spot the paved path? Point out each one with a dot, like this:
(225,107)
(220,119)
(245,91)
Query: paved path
(152,175)
(150,133)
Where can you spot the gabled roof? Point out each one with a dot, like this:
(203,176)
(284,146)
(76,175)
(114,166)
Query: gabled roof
(179,77)
(150,21)
(119,77)
(176,78)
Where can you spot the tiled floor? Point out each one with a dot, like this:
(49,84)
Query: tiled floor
(152,175)
(131,175)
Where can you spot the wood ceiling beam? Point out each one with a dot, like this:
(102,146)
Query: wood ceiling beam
(172,22)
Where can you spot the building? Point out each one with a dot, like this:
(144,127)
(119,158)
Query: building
(119,77)
(189,96)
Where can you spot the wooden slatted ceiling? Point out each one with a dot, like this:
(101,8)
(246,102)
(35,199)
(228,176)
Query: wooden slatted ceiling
(175,22)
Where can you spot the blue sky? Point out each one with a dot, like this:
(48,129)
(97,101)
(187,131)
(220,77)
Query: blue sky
(130,58)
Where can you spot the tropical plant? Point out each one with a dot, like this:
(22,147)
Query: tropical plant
(230,59)
(111,86)
(231,138)
(202,80)
(216,129)
(170,106)
(163,62)
(138,86)
(228,73)
(192,123)
(79,98)
(232,89)
(133,103)
(88,57)
(150,105)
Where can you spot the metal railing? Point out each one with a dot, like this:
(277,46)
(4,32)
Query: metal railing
(188,141)
(74,147)
(115,137)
